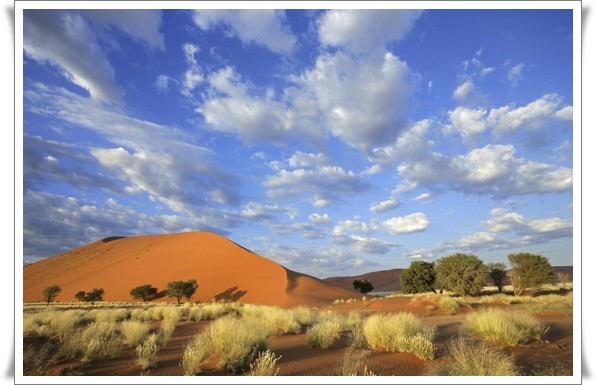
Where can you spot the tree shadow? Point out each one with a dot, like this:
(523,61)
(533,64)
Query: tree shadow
(230,295)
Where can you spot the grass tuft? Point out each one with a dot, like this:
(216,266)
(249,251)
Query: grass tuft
(323,334)
(264,364)
(506,327)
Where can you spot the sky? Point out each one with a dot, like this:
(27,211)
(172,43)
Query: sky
(332,141)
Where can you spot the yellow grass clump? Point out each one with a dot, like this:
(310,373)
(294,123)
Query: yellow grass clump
(510,328)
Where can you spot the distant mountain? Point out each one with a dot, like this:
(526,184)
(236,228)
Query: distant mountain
(388,280)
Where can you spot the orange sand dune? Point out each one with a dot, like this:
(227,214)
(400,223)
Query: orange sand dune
(223,270)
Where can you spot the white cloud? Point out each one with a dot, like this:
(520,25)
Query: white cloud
(255,210)
(503,220)
(531,116)
(412,143)
(162,83)
(266,27)
(67,41)
(407,224)
(492,170)
(468,122)
(423,196)
(326,184)
(141,24)
(365,30)
(515,74)
(361,101)
(301,159)
(319,219)
(193,76)
(349,225)
(384,206)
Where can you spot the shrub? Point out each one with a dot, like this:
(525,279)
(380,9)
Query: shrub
(529,270)
(362,285)
(168,324)
(304,316)
(234,340)
(450,304)
(474,358)
(93,296)
(63,323)
(323,334)
(101,340)
(506,327)
(134,332)
(461,273)
(264,364)
(198,350)
(147,351)
(498,274)
(418,278)
(354,364)
(401,332)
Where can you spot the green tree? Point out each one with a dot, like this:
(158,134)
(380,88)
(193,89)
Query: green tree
(51,292)
(498,274)
(144,292)
(418,278)
(93,296)
(362,285)
(529,271)
(461,273)
(181,289)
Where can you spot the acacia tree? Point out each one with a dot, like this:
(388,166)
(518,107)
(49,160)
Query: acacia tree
(362,285)
(498,274)
(144,292)
(93,296)
(50,292)
(418,278)
(462,274)
(181,289)
(529,271)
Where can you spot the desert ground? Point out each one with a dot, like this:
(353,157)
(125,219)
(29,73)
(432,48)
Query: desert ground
(246,285)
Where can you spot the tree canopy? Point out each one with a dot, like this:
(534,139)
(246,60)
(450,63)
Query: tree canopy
(529,271)
(92,296)
(144,292)
(180,289)
(498,274)
(50,292)
(362,285)
(462,274)
(418,278)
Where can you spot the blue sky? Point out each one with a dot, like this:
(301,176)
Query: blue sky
(334,142)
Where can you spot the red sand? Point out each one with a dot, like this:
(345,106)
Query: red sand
(222,269)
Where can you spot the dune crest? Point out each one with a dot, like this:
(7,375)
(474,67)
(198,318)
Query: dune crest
(223,269)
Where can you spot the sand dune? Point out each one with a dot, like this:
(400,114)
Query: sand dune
(223,270)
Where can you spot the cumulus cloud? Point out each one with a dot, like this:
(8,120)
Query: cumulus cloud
(491,170)
(407,224)
(351,226)
(326,184)
(468,122)
(384,206)
(66,40)
(54,224)
(255,210)
(412,143)
(365,30)
(265,27)
(319,219)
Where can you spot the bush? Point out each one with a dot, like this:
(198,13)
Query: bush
(529,271)
(264,364)
(474,358)
(234,340)
(197,351)
(450,304)
(401,332)
(461,273)
(506,327)
(134,332)
(147,351)
(363,285)
(354,364)
(418,278)
(323,334)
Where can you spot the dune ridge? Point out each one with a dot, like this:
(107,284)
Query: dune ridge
(223,269)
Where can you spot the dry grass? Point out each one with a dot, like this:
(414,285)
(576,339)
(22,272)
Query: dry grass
(323,334)
(134,332)
(264,364)
(197,351)
(510,328)
(101,340)
(354,363)
(401,332)
(147,351)
(474,358)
